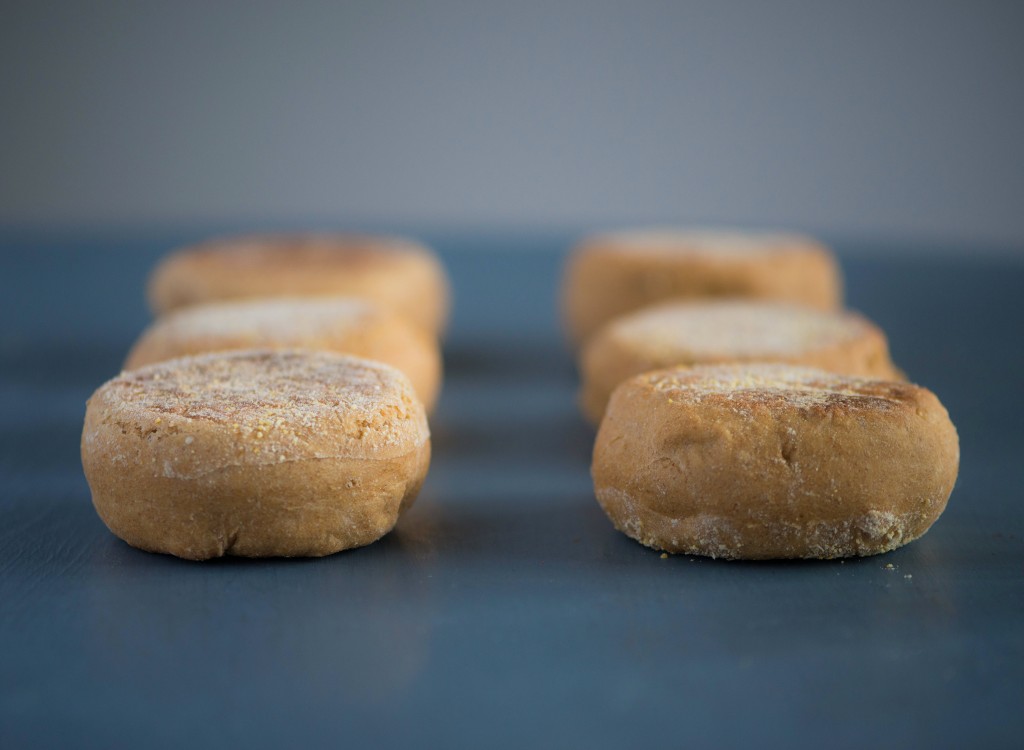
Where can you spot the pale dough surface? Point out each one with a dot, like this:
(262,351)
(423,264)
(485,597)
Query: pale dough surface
(728,331)
(347,325)
(396,273)
(609,275)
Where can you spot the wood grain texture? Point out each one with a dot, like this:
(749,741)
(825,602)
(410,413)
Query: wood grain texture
(504,593)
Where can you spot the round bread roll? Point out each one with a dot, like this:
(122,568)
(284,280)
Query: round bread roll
(773,461)
(340,324)
(728,331)
(255,453)
(609,275)
(397,274)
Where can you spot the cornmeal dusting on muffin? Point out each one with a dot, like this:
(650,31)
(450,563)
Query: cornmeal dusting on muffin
(268,320)
(273,403)
(764,383)
(294,251)
(701,242)
(735,329)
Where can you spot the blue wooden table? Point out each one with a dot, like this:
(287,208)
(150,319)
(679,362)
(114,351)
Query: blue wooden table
(505,611)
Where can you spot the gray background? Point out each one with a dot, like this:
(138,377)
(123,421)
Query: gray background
(866,119)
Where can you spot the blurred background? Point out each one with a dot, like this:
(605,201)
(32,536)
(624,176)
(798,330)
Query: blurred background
(887,120)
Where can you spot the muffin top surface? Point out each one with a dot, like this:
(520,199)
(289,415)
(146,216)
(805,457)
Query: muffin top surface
(699,242)
(270,403)
(736,329)
(775,385)
(296,251)
(272,318)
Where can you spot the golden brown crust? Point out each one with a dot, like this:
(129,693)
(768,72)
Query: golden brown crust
(773,461)
(255,453)
(396,273)
(345,325)
(728,331)
(609,275)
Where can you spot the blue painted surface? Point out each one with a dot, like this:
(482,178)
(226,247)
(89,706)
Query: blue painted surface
(504,611)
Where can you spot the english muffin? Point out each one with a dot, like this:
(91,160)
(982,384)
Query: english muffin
(773,461)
